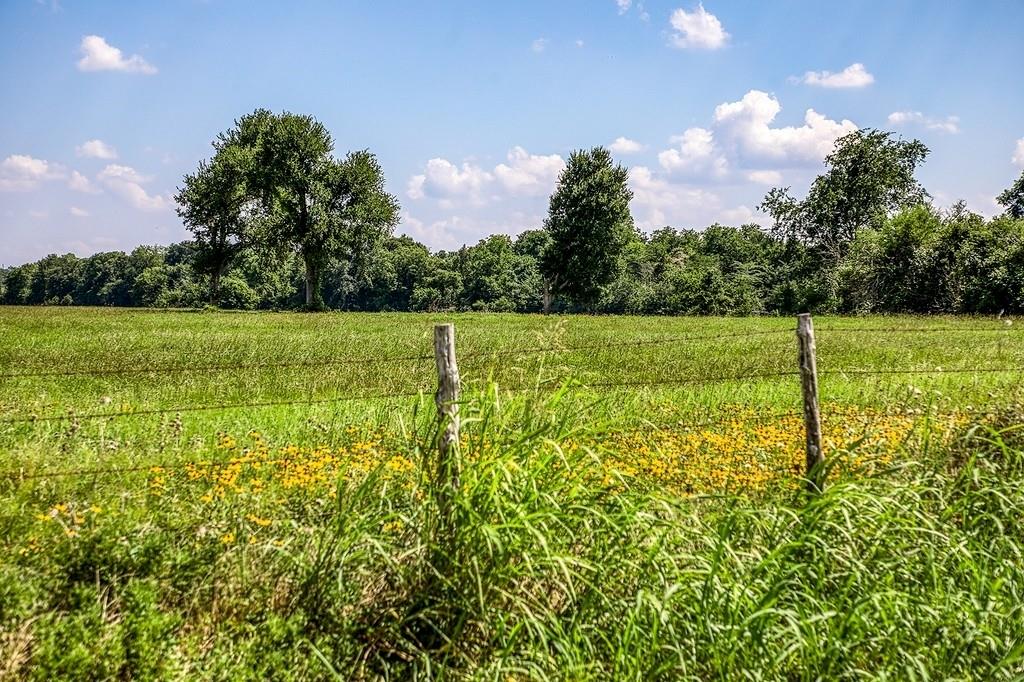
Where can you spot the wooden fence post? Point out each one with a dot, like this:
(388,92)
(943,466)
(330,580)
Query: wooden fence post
(812,414)
(447,407)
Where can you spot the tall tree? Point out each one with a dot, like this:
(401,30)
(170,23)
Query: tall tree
(313,204)
(589,223)
(216,207)
(869,176)
(1013,199)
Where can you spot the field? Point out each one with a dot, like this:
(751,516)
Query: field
(256,496)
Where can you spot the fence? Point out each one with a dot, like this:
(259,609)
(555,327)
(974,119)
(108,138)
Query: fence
(448,386)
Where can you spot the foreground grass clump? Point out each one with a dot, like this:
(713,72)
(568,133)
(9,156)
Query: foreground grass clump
(546,563)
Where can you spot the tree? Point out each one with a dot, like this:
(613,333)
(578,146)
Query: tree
(313,204)
(869,177)
(589,223)
(216,207)
(1013,199)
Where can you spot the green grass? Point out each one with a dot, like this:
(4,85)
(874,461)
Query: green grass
(326,547)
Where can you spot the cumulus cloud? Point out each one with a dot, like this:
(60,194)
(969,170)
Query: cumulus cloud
(99,55)
(1018,153)
(21,173)
(96,149)
(746,124)
(126,182)
(529,174)
(658,202)
(523,174)
(80,183)
(442,179)
(695,155)
(698,29)
(765,177)
(950,124)
(623,5)
(624,145)
(79,212)
(539,45)
(853,76)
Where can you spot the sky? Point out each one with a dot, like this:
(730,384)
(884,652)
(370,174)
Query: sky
(472,107)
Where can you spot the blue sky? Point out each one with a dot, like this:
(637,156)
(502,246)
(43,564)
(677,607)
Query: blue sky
(473,106)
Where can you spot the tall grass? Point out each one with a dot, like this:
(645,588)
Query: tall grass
(322,547)
(548,570)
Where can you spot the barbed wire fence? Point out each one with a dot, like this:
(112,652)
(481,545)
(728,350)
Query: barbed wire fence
(448,391)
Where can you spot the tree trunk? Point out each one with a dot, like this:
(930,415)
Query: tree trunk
(215,285)
(310,283)
(548,296)
(313,300)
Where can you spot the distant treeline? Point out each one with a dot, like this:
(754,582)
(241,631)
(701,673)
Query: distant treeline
(279,222)
(920,260)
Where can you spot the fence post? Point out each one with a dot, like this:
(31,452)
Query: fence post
(447,407)
(812,414)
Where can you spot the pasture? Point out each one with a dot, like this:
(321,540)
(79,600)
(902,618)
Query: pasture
(233,495)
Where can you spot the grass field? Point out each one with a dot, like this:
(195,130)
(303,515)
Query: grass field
(254,496)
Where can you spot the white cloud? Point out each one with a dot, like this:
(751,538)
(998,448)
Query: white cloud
(539,45)
(79,212)
(765,177)
(623,5)
(80,183)
(439,234)
(444,180)
(96,149)
(1018,153)
(741,215)
(21,173)
(624,145)
(696,155)
(524,174)
(99,55)
(127,183)
(658,202)
(698,29)
(579,42)
(853,76)
(746,127)
(529,174)
(950,124)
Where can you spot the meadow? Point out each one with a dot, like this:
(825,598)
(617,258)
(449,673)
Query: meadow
(214,495)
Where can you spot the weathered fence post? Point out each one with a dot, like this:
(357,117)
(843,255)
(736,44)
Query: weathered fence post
(447,407)
(812,414)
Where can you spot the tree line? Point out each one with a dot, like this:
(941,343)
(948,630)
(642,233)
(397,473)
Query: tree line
(279,222)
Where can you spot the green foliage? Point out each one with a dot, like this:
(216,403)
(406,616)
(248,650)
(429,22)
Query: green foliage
(310,203)
(1012,199)
(869,176)
(275,212)
(589,224)
(216,206)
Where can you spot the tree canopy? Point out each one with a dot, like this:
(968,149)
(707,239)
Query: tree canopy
(869,176)
(1012,199)
(274,180)
(589,224)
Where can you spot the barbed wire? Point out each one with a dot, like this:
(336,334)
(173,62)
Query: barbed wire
(675,381)
(471,355)
(935,370)
(203,408)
